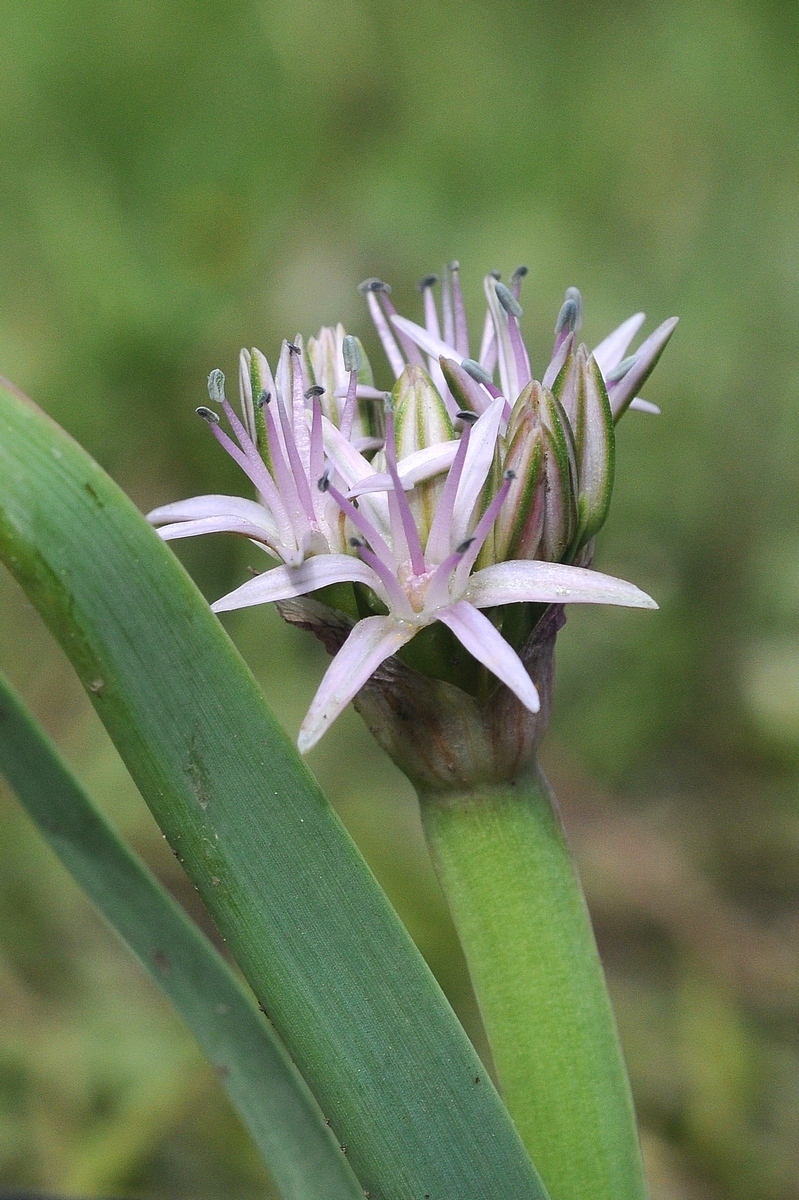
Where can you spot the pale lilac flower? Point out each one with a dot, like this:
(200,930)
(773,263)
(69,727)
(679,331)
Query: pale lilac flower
(422,583)
(444,503)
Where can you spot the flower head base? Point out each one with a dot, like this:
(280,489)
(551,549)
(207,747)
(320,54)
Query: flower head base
(440,504)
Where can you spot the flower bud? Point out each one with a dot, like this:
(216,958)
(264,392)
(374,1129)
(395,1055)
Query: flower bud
(420,420)
(520,524)
(581,391)
(560,504)
(329,354)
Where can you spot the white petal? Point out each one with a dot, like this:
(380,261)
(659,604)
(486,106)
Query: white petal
(198,507)
(646,357)
(371,642)
(363,391)
(550,583)
(413,469)
(479,457)
(488,646)
(365,444)
(426,341)
(613,348)
(281,583)
(641,405)
(187,529)
(351,466)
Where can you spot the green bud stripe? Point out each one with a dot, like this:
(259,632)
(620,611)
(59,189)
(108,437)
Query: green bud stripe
(420,420)
(596,442)
(560,518)
(525,498)
(260,385)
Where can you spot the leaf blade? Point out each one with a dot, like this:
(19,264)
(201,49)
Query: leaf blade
(255,1069)
(311,930)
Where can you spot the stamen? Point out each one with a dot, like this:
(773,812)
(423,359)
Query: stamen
(479,374)
(523,372)
(446,308)
(317,443)
(409,347)
(394,593)
(392,351)
(361,522)
(348,411)
(461,330)
(216,386)
(508,300)
(351,353)
(373,285)
(297,437)
(263,398)
(258,475)
(284,476)
(617,373)
(207,414)
(438,539)
(398,501)
(516,280)
(314,390)
(217,381)
(570,317)
(292,348)
(426,286)
(488,344)
(468,418)
(481,532)
(438,588)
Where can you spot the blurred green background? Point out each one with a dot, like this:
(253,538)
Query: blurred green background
(183,178)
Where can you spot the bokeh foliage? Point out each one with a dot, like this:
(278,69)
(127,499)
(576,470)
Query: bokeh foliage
(182,178)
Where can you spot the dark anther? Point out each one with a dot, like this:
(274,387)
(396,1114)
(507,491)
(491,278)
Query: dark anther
(356,543)
(216,386)
(467,417)
(495,274)
(374,285)
(511,475)
(292,348)
(508,300)
(263,398)
(464,546)
(426,281)
(323,483)
(520,272)
(315,390)
(478,373)
(207,414)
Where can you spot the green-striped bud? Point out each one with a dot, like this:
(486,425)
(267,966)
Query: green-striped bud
(420,420)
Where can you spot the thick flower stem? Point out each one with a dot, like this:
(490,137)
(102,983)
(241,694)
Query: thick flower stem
(508,876)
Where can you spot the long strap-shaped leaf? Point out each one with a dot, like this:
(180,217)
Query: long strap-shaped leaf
(313,933)
(267,1089)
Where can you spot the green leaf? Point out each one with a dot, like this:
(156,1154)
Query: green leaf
(267,1089)
(324,952)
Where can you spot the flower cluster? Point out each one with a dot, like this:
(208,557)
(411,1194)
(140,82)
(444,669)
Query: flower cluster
(469,487)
